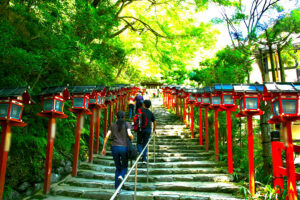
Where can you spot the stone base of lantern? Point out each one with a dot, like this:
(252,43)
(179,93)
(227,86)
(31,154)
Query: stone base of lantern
(283,118)
(80,110)
(52,114)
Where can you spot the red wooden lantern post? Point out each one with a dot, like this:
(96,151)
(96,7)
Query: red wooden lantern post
(53,103)
(191,101)
(205,103)
(101,102)
(187,107)
(284,98)
(164,95)
(198,104)
(111,107)
(168,97)
(184,96)
(125,98)
(80,106)
(249,96)
(227,104)
(215,99)
(11,109)
(106,111)
(95,105)
(180,106)
(175,92)
(115,101)
(181,97)
(187,111)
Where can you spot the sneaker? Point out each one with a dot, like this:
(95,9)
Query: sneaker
(120,179)
(145,162)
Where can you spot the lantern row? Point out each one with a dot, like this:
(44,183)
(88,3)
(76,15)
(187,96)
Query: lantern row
(86,100)
(284,99)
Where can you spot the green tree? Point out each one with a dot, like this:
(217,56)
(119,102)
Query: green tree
(228,66)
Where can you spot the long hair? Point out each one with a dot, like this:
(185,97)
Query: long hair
(120,120)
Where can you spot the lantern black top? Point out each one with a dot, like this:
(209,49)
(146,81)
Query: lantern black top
(100,88)
(89,89)
(248,88)
(55,91)
(283,87)
(223,87)
(193,91)
(200,90)
(16,92)
(119,86)
(209,89)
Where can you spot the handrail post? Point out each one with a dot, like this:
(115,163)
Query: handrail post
(154,146)
(148,165)
(135,181)
(129,172)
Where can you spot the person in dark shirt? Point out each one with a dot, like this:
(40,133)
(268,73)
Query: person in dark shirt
(139,100)
(119,132)
(144,135)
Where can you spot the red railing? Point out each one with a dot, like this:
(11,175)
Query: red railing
(279,171)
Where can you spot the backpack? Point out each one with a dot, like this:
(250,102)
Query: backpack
(139,121)
(131,150)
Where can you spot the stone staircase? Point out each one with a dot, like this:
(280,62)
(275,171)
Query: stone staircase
(183,170)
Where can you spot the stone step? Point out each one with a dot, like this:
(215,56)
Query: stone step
(180,164)
(175,145)
(177,154)
(156,186)
(171,142)
(175,138)
(162,178)
(50,197)
(95,193)
(169,127)
(155,171)
(183,147)
(160,159)
(179,141)
(182,171)
(191,151)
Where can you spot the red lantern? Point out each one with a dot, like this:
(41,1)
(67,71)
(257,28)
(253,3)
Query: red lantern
(227,104)
(12,102)
(53,99)
(249,96)
(284,98)
(226,92)
(80,106)
(206,100)
(198,98)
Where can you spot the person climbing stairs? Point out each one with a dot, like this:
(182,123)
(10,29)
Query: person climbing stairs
(182,170)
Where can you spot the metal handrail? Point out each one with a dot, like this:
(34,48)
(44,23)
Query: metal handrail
(135,165)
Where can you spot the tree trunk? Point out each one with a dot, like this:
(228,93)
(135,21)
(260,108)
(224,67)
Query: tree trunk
(260,62)
(266,138)
(272,63)
(281,65)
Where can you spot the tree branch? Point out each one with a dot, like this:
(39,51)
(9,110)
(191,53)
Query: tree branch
(121,30)
(145,25)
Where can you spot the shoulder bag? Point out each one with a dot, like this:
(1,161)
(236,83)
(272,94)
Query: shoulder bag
(131,150)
